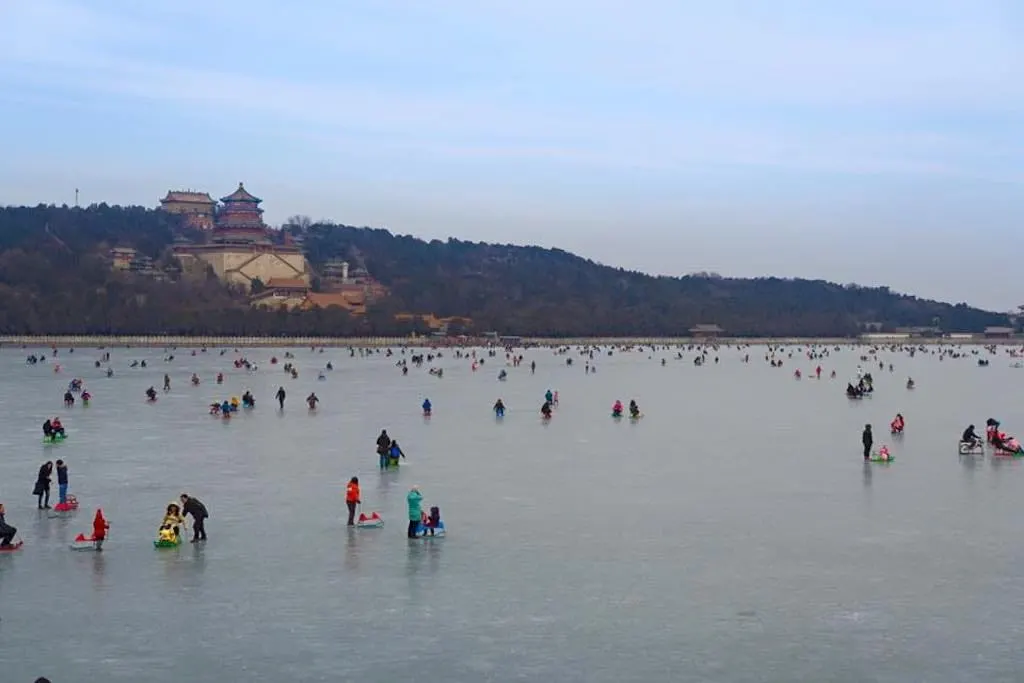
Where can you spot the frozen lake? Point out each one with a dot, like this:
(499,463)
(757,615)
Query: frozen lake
(732,535)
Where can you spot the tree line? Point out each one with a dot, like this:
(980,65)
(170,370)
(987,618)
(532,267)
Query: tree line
(55,278)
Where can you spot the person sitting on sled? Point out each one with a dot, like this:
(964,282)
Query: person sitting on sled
(969,437)
(998,439)
(432,521)
(7,532)
(394,454)
(173,519)
(897,424)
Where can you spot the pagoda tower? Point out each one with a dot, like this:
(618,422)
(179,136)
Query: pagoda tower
(240,219)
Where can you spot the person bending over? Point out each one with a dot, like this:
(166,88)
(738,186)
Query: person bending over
(970,437)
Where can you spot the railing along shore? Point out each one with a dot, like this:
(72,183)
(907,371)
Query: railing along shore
(161,341)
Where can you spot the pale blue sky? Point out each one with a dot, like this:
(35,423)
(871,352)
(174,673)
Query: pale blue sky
(877,141)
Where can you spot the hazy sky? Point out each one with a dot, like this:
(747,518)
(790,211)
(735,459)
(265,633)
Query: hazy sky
(876,141)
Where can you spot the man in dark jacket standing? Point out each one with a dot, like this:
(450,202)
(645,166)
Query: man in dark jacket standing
(194,506)
(383,446)
(868,440)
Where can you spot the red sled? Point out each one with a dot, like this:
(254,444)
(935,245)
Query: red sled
(82,542)
(67,506)
(372,521)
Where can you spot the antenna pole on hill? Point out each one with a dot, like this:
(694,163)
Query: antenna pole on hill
(76,197)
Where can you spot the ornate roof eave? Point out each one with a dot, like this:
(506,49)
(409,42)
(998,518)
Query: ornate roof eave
(241,195)
(187,196)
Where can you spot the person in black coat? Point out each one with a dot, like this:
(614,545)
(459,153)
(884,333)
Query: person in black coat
(42,488)
(868,440)
(194,506)
(7,532)
(383,446)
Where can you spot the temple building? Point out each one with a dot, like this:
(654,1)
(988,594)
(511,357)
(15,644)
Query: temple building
(436,325)
(705,331)
(198,208)
(239,248)
(240,219)
(289,294)
(999,332)
(335,270)
(121,258)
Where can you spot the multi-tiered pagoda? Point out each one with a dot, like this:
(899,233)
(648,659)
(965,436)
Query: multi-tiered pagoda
(240,219)
(240,250)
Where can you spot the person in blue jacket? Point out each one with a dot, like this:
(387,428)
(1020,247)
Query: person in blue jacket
(427,406)
(415,502)
(394,453)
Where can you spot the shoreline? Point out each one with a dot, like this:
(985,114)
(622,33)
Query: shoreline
(164,341)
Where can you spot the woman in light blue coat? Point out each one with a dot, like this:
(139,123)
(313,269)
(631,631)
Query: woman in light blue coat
(415,501)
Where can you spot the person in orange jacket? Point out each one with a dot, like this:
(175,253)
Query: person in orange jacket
(352,499)
(99,529)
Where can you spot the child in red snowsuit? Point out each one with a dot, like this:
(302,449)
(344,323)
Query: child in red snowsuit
(99,529)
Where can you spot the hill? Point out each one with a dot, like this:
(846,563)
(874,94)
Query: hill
(55,278)
(550,292)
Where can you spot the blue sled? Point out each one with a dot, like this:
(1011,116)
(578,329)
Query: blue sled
(424,531)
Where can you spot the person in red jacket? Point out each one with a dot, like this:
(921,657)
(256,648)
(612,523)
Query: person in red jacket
(99,529)
(352,499)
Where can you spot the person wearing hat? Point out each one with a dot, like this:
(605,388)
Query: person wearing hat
(868,440)
(193,506)
(415,502)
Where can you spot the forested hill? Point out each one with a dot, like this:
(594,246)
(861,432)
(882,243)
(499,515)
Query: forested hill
(55,278)
(550,292)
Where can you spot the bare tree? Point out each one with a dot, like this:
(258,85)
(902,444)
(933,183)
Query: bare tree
(301,223)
